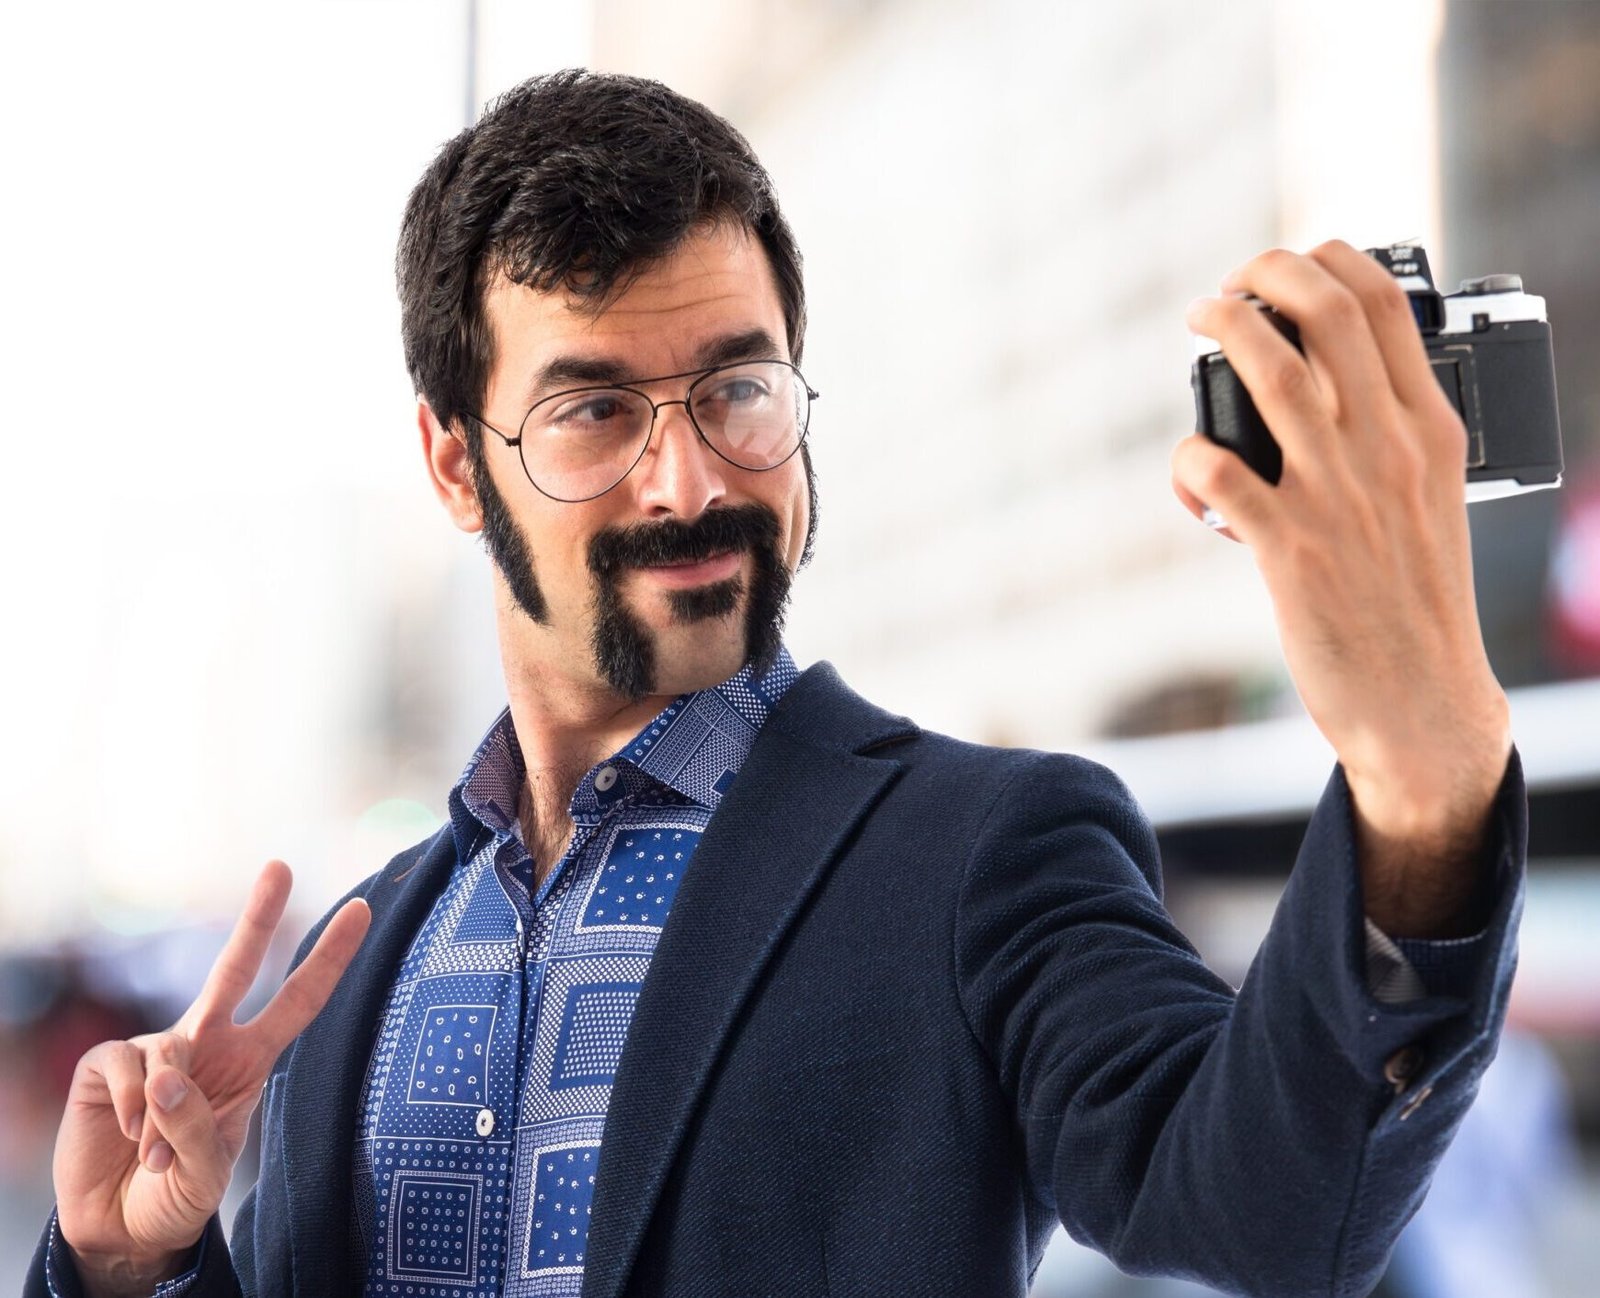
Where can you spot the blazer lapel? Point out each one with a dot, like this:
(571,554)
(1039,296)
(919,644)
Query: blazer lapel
(323,1085)
(795,802)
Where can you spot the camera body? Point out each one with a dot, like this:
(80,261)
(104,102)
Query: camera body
(1489,345)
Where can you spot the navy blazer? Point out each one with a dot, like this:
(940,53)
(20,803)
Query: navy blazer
(918,1000)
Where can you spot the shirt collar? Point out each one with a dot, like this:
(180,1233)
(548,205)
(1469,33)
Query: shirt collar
(694,747)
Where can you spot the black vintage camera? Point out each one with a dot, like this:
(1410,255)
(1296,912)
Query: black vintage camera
(1490,349)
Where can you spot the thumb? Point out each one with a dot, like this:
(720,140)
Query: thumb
(185,1133)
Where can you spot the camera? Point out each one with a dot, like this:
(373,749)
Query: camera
(1489,345)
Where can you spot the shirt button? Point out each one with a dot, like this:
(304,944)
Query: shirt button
(605,777)
(485,1122)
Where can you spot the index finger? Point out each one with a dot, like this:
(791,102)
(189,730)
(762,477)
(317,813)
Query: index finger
(306,990)
(1337,339)
(236,967)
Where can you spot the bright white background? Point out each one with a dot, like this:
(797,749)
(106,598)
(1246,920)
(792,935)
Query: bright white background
(214,491)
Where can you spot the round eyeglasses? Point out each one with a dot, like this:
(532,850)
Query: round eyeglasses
(578,444)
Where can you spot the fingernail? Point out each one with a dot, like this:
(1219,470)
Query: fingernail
(168,1090)
(136,1125)
(1194,308)
(159,1159)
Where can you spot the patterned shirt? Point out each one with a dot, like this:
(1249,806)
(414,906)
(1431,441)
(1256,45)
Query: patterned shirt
(485,1098)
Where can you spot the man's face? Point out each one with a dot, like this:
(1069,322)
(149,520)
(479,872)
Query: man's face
(678,576)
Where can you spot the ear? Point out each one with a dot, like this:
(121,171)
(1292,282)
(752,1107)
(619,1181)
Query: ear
(445,450)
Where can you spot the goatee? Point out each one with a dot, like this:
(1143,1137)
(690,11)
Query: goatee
(624,649)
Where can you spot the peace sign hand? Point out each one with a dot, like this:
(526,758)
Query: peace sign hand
(154,1125)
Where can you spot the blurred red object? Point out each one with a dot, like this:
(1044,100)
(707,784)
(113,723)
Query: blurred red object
(1573,609)
(76,1021)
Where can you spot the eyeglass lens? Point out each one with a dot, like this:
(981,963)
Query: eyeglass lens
(578,444)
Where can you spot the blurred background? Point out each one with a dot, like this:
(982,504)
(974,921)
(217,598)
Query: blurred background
(241,627)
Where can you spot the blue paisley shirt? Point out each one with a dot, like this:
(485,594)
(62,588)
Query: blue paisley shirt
(485,1098)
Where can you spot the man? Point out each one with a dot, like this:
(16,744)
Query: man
(917,1000)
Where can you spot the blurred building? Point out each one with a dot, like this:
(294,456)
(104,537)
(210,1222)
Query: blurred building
(1520,142)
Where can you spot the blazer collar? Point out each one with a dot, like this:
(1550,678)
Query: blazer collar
(799,795)
(327,1072)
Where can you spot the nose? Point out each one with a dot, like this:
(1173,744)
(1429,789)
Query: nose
(679,476)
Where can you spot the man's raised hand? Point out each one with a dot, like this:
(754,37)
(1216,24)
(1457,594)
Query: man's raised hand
(153,1125)
(1364,548)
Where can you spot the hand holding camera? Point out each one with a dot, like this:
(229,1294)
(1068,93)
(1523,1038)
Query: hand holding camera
(1364,548)
(1489,346)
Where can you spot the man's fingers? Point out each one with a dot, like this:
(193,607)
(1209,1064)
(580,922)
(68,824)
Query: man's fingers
(185,1129)
(121,1066)
(1277,377)
(1393,324)
(161,1051)
(1339,344)
(236,967)
(307,989)
(1205,475)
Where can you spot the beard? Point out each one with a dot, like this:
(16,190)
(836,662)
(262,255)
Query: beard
(504,541)
(623,647)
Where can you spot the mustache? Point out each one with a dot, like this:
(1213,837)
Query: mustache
(750,527)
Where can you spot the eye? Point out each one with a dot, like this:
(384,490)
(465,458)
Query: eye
(590,411)
(739,390)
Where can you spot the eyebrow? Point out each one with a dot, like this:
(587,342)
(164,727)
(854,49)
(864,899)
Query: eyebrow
(568,371)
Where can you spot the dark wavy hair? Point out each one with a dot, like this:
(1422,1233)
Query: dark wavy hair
(577,180)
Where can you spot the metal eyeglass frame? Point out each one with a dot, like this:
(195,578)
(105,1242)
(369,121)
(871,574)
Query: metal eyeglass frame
(699,376)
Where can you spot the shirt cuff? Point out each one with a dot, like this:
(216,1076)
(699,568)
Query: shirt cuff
(1414,968)
(61,1273)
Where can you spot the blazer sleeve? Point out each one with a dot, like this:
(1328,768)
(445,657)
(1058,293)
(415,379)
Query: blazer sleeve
(1273,1141)
(53,1275)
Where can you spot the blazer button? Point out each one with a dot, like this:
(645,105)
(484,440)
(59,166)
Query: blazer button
(1402,1066)
(485,1122)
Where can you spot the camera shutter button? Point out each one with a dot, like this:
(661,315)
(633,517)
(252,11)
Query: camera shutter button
(1486,284)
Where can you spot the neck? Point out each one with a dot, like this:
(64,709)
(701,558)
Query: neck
(566,718)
